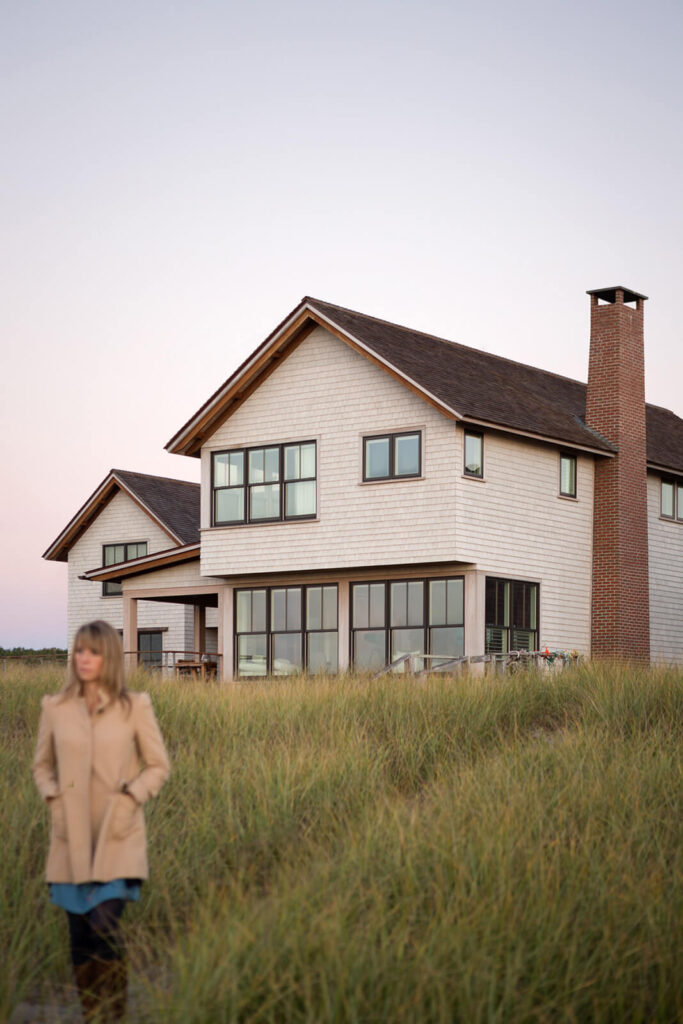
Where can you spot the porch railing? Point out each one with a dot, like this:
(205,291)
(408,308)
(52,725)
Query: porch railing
(197,664)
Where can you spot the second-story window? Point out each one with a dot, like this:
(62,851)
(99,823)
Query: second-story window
(265,484)
(672,499)
(113,553)
(392,456)
(568,476)
(474,454)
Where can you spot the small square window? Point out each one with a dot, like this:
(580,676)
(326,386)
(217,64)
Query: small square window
(568,476)
(474,454)
(392,456)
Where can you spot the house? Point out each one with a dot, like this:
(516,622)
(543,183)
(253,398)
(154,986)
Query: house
(129,515)
(368,490)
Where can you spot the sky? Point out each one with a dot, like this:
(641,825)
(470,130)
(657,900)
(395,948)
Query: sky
(175,176)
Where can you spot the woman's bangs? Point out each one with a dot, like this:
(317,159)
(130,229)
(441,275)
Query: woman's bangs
(89,638)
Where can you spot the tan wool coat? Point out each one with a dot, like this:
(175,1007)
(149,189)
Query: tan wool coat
(81,766)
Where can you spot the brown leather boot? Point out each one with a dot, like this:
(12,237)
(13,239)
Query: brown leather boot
(111,986)
(86,983)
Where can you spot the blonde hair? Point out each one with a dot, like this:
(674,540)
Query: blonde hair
(100,638)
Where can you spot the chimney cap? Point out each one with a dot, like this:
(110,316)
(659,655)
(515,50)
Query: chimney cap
(610,294)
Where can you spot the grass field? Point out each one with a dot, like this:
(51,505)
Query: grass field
(450,850)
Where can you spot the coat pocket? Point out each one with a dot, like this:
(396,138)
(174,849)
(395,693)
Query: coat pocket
(57,817)
(124,816)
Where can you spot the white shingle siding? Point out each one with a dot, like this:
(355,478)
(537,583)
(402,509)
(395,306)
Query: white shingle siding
(327,392)
(515,524)
(665,552)
(122,521)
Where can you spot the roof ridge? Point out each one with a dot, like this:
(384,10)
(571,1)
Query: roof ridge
(153,476)
(446,341)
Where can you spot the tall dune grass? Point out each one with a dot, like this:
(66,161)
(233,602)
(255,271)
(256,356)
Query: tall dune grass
(352,849)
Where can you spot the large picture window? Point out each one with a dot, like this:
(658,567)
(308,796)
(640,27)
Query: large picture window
(392,456)
(284,630)
(267,484)
(113,553)
(398,617)
(511,616)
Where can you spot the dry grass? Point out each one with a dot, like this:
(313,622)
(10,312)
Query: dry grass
(387,850)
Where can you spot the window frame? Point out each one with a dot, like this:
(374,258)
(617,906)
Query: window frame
(151,661)
(125,545)
(269,632)
(388,630)
(391,438)
(570,456)
(676,484)
(246,486)
(511,627)
(465,471)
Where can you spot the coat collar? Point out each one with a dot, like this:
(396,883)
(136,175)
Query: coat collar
(103,700)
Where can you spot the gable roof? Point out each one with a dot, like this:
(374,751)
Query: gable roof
(172,504)
(463,383)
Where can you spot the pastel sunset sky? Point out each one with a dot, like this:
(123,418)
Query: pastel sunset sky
(177,175)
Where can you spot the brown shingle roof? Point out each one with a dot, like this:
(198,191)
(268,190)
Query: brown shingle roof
(475,385)
(175,502)
(482,386)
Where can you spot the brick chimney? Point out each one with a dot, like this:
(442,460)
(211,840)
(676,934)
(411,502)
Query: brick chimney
(615,407)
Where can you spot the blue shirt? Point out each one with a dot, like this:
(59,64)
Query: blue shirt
(79,899)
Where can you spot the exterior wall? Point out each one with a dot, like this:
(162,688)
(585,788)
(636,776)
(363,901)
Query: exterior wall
(666,574)
(326,391)
(122,521)
(514,524)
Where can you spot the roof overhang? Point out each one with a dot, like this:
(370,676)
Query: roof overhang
(544,438)
(146,563)
(244,381)
(58,551)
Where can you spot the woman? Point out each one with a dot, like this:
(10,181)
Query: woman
(93,740)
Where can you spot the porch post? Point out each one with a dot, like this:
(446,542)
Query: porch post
(199,640)
(343,625)
(475,614)
(130,631)
(225,632)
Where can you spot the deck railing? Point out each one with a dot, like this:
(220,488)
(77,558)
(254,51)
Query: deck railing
(419,664)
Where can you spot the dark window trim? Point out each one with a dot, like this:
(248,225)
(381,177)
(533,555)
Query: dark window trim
(246,486)
(511,627)
(392,475)
(121,544)
(572,456)
(270,632)
(677,484)
(465,471)
(388,628)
